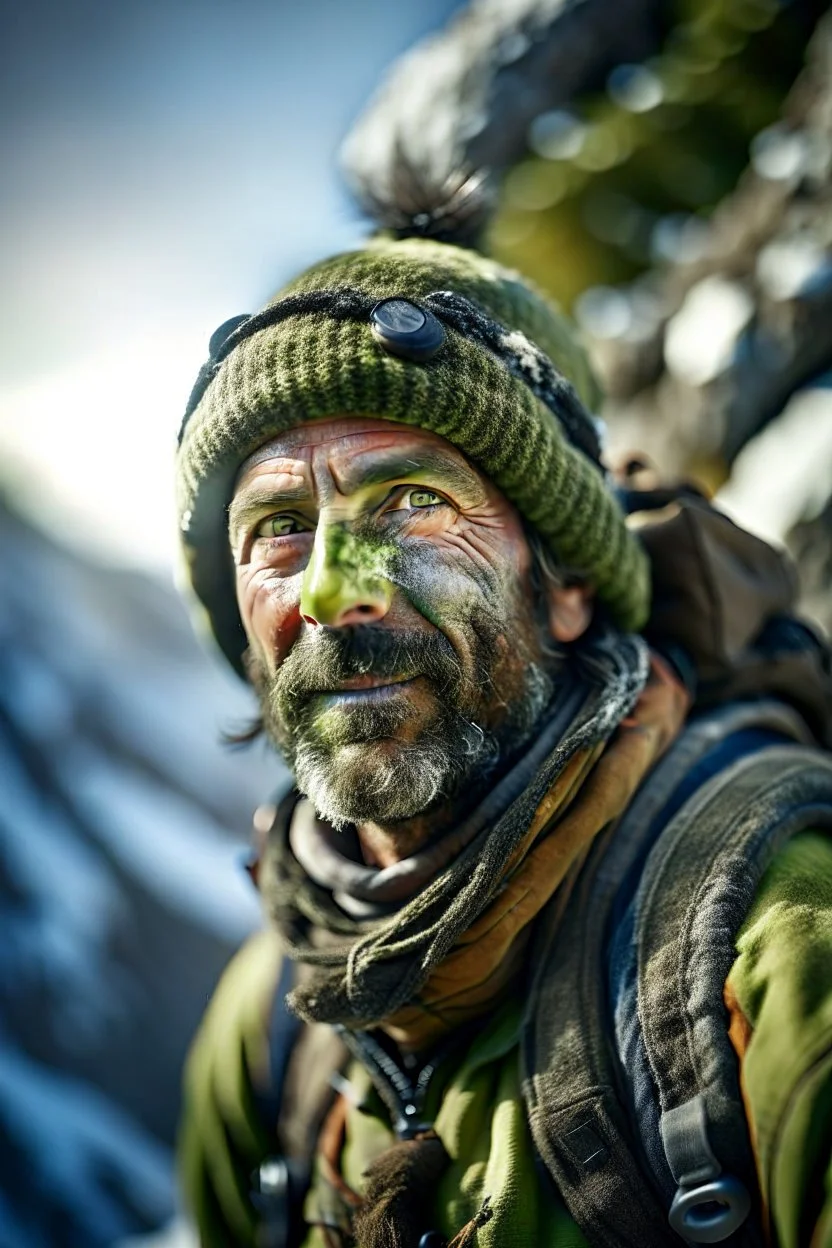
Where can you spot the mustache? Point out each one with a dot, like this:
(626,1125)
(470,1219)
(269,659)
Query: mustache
(323,659)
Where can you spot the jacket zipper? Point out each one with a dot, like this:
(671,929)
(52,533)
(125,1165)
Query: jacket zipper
(403,1099)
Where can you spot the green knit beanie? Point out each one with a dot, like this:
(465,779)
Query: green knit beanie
(509,387)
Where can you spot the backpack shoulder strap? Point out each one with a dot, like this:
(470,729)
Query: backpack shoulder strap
(304,1060)
(579,1113)
(696,889)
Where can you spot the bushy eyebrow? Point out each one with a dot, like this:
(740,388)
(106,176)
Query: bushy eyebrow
(397,467)
(252,502)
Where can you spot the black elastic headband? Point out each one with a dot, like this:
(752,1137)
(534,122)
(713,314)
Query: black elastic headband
(515,351)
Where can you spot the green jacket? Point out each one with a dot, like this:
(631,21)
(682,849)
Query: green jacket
(780,992)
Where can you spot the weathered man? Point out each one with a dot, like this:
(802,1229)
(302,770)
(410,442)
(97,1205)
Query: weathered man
(549,944)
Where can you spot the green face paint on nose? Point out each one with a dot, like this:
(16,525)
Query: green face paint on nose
(346,572)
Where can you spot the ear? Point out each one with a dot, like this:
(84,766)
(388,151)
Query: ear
(570,611)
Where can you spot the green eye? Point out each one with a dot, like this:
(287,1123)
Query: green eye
(423,498)
(279,526)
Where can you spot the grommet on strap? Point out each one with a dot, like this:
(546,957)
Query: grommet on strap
(403,328)
(708,1214)
(709,1205)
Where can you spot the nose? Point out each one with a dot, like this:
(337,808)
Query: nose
(345,582)
(361,613)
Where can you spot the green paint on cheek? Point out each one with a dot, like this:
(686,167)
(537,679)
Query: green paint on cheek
(359,559)
(432,612)
(434,588)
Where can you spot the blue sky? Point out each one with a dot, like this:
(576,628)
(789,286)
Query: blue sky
(166,165)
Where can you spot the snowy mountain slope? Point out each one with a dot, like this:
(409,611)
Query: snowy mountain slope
(122,823)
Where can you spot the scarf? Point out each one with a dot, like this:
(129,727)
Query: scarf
(447,950)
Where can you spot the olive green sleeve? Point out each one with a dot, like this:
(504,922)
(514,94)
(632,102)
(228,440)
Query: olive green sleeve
(222,1137)
(782,982)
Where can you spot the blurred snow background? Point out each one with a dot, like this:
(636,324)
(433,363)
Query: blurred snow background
(167,165)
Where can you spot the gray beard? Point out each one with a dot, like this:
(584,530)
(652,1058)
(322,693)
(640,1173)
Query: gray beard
(365,783)
(354,768)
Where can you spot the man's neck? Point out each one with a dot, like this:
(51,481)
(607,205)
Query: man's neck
(382,845)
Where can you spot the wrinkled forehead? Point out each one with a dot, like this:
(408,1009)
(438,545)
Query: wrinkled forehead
(349,434)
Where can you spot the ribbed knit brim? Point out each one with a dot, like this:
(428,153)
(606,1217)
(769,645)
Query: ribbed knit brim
(312,365)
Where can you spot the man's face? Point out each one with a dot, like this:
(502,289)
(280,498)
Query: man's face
(394,640)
